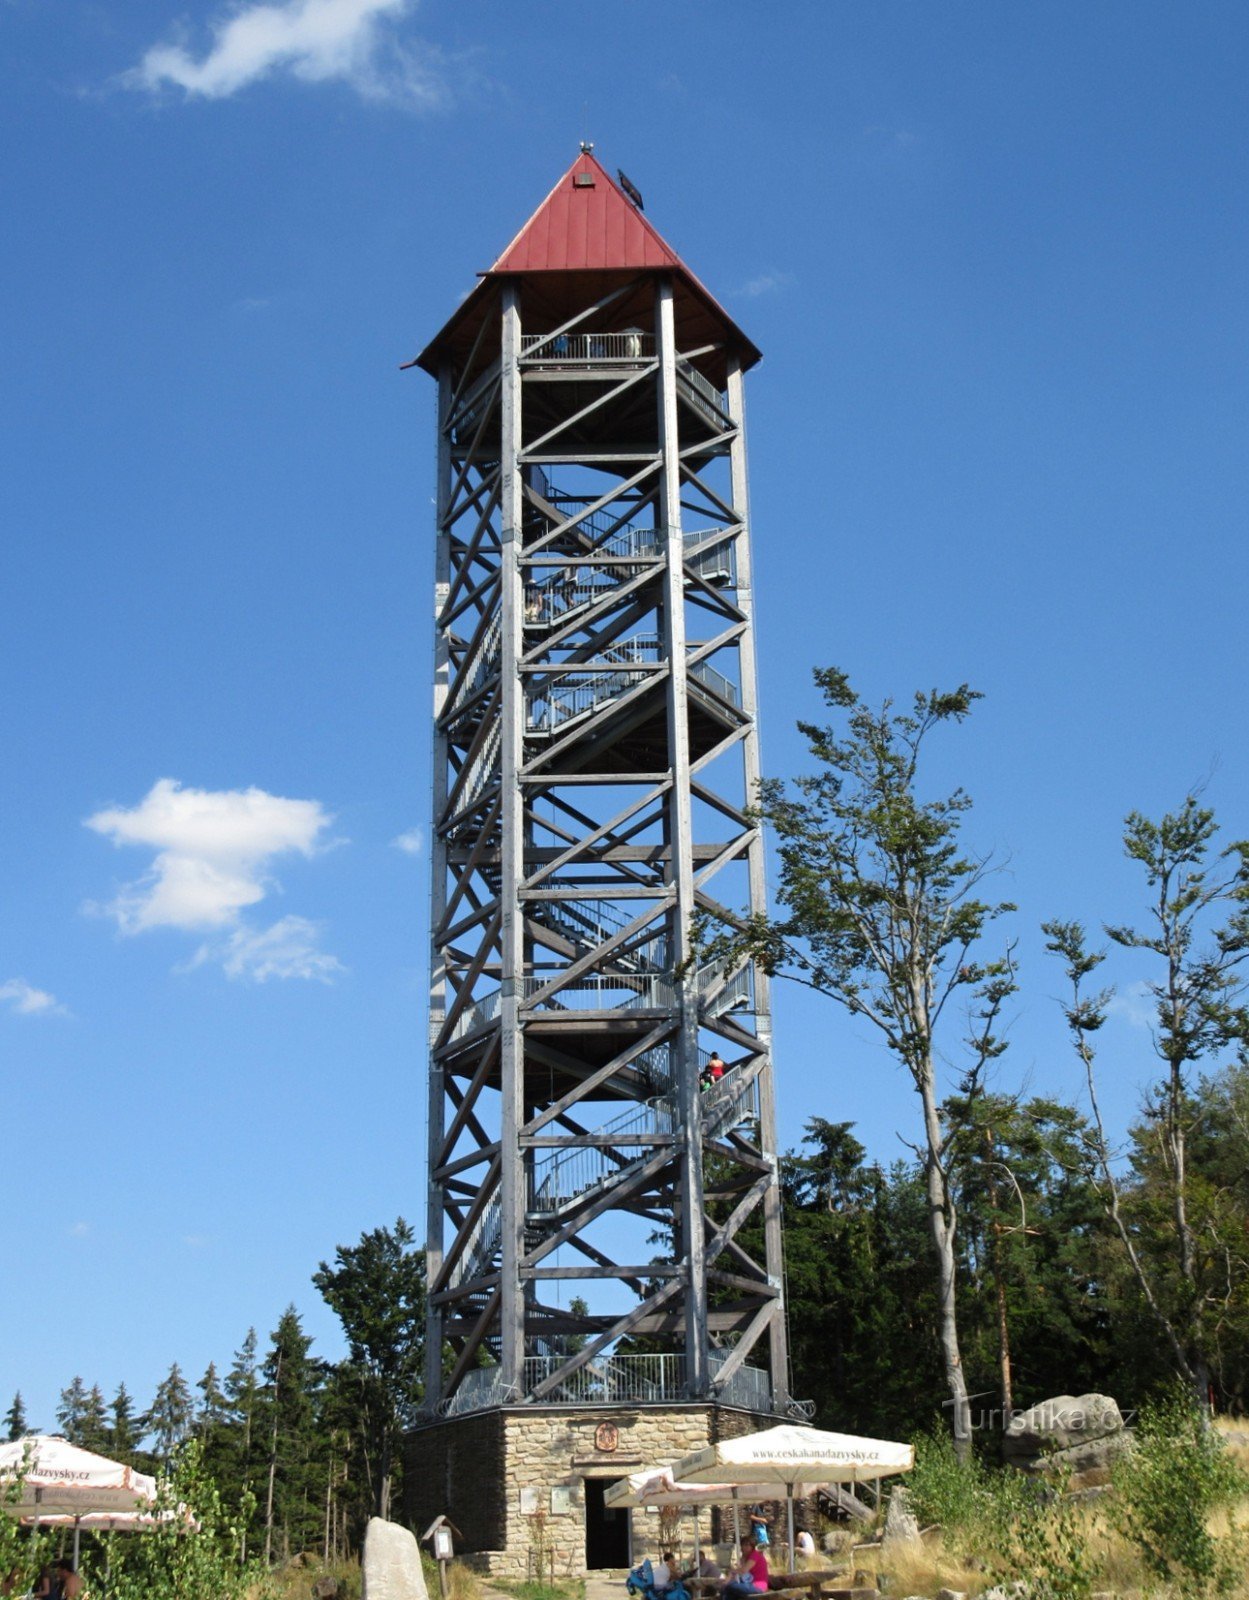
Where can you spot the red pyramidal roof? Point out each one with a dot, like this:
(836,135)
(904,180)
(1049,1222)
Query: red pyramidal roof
(586,224)
(584,239)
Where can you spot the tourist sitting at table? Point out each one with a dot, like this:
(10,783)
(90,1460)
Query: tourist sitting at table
(806,1546)
(662,1572)
(750,1575)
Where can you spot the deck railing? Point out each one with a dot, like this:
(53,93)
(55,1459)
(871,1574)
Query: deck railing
(630,345)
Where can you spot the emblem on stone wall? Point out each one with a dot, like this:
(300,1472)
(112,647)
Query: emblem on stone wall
(606,1436)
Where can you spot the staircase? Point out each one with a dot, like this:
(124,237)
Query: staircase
(559,1179)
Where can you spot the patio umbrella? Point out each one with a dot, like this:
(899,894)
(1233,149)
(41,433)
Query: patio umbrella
(116,1521)
(794,1458)
(656,1486)
(43,1475)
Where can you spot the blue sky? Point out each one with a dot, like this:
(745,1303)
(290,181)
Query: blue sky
(996,259)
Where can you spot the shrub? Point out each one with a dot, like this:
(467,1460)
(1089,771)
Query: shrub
(1166,1489)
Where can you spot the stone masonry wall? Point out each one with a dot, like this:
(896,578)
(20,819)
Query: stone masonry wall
(493,1475)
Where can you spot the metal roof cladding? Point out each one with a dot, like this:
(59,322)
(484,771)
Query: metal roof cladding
(586,225)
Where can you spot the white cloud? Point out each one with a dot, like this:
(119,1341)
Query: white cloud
(316,41)
(80,1230)
(214,850)
(411,843)
(1134,1005)
(766,283)
(28,1001)
(286,950)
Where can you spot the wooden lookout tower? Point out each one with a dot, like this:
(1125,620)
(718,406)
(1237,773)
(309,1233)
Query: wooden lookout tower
(604,1216)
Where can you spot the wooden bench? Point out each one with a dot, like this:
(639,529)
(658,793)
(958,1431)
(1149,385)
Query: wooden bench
(816,1583)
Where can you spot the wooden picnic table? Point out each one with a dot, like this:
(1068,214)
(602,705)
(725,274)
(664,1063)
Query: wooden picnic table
(815,1582)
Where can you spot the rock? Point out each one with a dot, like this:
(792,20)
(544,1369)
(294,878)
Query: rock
(391,1563)
(1236,1437)
(325,1588)
(901,1523)
(951,1594)
(1061,1423)
(1087,1465)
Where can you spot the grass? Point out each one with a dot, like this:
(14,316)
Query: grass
(531,1589)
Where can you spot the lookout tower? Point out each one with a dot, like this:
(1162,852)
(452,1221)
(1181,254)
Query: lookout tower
(604,1215)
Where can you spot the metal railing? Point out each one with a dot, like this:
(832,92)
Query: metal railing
(749,1387)
(630,345)
(619,991)
(605,991)
(481,1387)
(485,660)
(644,1379)
(481,1245)
(555,705)
(484,769)
(738,993)
(589,923)
(477,1014)
(561,1176)
(706,397)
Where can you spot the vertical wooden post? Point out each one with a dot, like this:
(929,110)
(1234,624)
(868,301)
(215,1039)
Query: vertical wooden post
(680,839)
(512,1109)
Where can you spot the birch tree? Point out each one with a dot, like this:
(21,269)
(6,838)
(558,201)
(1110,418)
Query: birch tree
(881,912)
(1198,933)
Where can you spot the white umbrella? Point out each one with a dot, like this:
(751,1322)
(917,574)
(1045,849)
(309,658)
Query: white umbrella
(794,1458)
(55,1478)
(656,1486)
(117,1521)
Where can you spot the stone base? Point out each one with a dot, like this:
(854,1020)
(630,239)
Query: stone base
(512,1480)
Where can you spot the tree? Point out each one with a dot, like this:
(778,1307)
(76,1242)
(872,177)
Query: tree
(287,1411)
(883,916)
(170,1417)
(123,1434)
(15,1419)
(93,1428)
(1197,1013)
(859,1302)
(230,1456)
(72,1409)
(377,1290)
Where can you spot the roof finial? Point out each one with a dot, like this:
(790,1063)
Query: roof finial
(587,146)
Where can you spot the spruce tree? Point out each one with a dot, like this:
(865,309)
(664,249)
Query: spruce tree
(123,1433)
(72,1409)
(170,1417)
(93,1425)
(15,1419)
(231,1458)
(287,1413)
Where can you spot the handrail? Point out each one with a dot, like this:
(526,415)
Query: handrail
(631,345)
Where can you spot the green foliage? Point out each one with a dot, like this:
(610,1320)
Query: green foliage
(944,1491)
(15,1419)
(377,1289)
(1018,1528)
(184,1560)
(23,1551)
(1167,1488)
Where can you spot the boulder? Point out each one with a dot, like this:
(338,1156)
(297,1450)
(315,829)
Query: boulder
(901,1523)
(391,1563)
(1061,1423)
